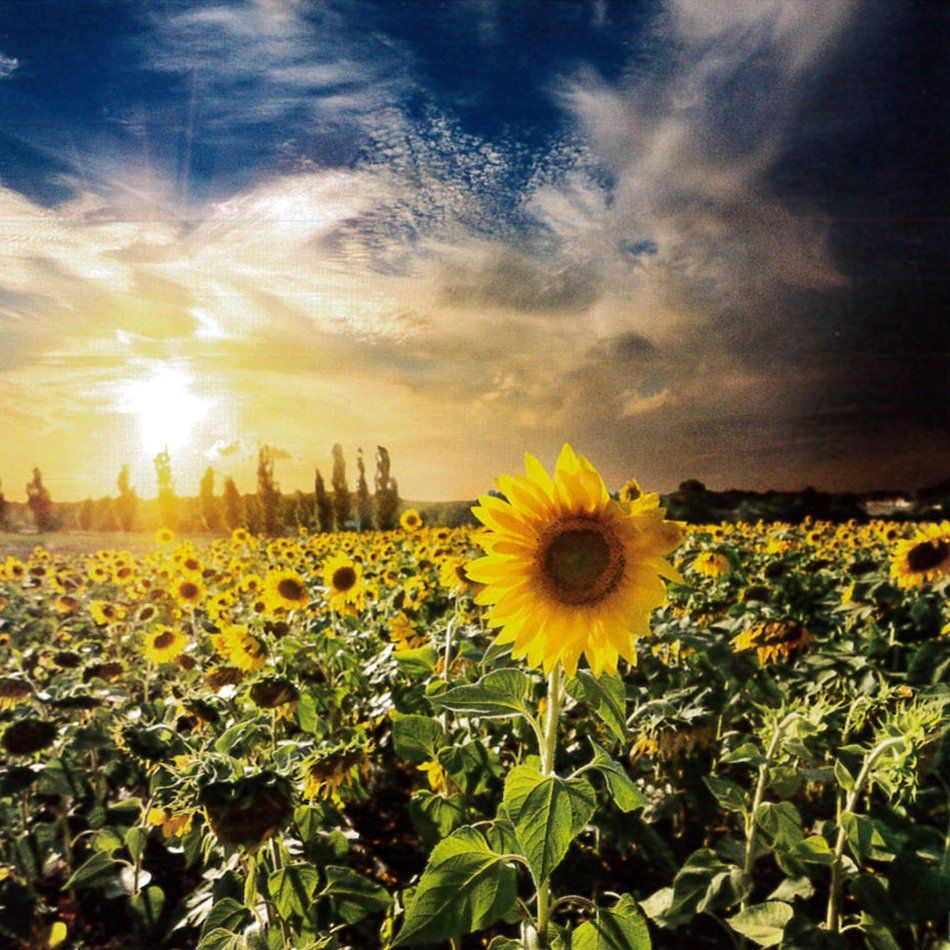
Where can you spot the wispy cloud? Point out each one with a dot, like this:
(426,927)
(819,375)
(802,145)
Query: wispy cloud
(8,65)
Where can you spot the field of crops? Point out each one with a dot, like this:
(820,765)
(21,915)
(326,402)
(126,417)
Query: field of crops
(321,741)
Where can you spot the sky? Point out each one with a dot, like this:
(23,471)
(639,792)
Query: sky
(695,238)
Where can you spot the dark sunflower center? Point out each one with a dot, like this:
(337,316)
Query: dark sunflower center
(343,579)
(927,555)
(581,561)
(188,590)
(290,589)
(165,639)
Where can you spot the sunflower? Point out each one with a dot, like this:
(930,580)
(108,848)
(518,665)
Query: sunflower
(164,645)
(630,492)
(164,536)
(189,591)
(240,535)
(773,640)
(403,633)
(570,571)
(410,520)
(248,653)
(335,771)
(711,564)
(923,558)
(286,589)
(452,574)
(13,691)
(343,578)
(104,613)
(173,824)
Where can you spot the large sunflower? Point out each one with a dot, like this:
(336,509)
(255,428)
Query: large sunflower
(924,557)
(287,589)
(343,579)
(164,645)
(570,571)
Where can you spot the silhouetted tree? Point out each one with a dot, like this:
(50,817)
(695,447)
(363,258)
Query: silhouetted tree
(387,491)
(364,504)
(87,515)
(210,508)
(105,516)
(342,503)
(38,498)
(167,503)
(322,503)
(233,506)
(268,494)
(127,503)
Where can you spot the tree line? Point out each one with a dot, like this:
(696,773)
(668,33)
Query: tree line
(333,507)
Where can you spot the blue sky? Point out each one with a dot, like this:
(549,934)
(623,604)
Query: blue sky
(698,239)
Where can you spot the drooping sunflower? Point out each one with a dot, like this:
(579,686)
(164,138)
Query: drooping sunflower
(13,691)
(164,645)
(286,589)
(343,579)
(773,640)
(924,558)
(410,520)
(568,570)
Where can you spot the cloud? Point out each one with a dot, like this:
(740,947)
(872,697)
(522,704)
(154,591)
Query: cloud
(8,65)
(639,285)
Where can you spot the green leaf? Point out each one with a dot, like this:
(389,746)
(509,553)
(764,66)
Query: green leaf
(465,887)
(497,695)
(622,927)
(793,887)
(547,813)
(436,816)
(728,794)
(606,695)
(353,896)
(106,839)
(763,924)
(746,754)
(418,662)
(861,835)
(416,737)
(844,778)
(227,914)
(135,840)
(147,906)
(98,871)
(222,940)
(627,797)
(292,888)
(782,822)
(813,850)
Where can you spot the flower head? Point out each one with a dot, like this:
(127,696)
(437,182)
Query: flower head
(570,572)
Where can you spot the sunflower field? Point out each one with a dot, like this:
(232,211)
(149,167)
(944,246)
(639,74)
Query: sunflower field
(578,726)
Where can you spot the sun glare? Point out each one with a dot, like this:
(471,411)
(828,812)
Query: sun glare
(165,409)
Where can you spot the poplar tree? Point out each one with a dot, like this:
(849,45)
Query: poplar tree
(342,502)
(364,503)
(126,505)
(39,501)
(323,503)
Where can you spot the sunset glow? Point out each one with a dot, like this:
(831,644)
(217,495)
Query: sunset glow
(166,411)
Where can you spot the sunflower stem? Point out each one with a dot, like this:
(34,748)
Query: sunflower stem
(832,917)
(548,757)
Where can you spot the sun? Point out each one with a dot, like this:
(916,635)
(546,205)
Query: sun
(166,411)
